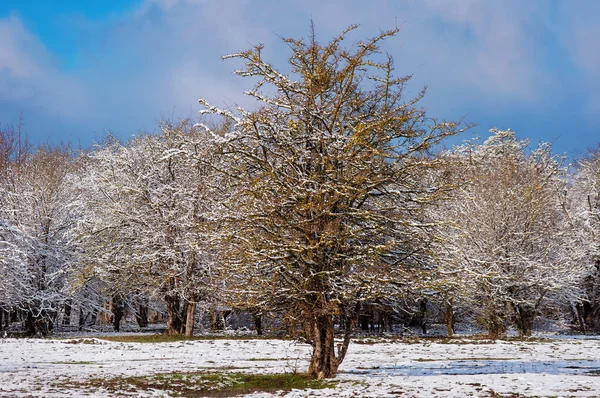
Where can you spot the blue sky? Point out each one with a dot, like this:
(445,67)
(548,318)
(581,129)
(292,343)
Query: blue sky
(79,69)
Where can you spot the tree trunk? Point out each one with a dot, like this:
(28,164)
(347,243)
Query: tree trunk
(117,309)
(190,317)
(81,318)
(1,318)
(324,362)
(93,317)
(173,315)
(37,325)
(524,319)
(67,313)
(30,324)
(449,317)
(495,323)
(141,315)
(423,314)
(258,324)
(579,315)
(183,309)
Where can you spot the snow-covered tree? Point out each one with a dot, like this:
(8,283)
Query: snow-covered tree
(34,234)
(508,228)
(326,200)
(583,209)
(145,219)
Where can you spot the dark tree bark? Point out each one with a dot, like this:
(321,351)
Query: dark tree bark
(495,322)
(141,314)
(118,310)
(257,317)
(67,313)
(524,316)
(81,322)
(174,320)
(37,323)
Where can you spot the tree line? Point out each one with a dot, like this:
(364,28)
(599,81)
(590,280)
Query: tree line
(334,194)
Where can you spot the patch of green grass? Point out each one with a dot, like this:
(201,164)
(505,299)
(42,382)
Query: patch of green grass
(195,384)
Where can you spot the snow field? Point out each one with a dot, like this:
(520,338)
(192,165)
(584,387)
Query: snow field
(558,367)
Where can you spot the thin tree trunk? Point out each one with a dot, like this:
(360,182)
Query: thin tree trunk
(579,315)
(449,317)
(423,313)
(81,319)
(117,309)
(183,318)
(141,316)
(258,323)
(93,317)
(190,318)
(67,313)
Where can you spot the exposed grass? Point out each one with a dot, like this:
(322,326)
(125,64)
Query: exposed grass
(195,384)
(75,363)
(164,338)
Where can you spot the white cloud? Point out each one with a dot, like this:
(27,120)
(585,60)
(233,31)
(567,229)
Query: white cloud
(28,76)
(163,55)
(486,45)
(580,35)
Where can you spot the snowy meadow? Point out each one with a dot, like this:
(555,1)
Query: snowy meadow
(332,208)
(374,367)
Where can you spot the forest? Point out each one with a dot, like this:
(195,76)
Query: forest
(333,206)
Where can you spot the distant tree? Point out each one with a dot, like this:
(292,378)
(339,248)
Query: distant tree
(583,209)
(326,201)
(34,233)
(508,229)
(144,222)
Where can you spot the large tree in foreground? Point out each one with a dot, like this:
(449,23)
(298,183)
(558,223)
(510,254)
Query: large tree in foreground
(326,195)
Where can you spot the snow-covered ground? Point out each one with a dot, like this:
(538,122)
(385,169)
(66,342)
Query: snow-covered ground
(557,367)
